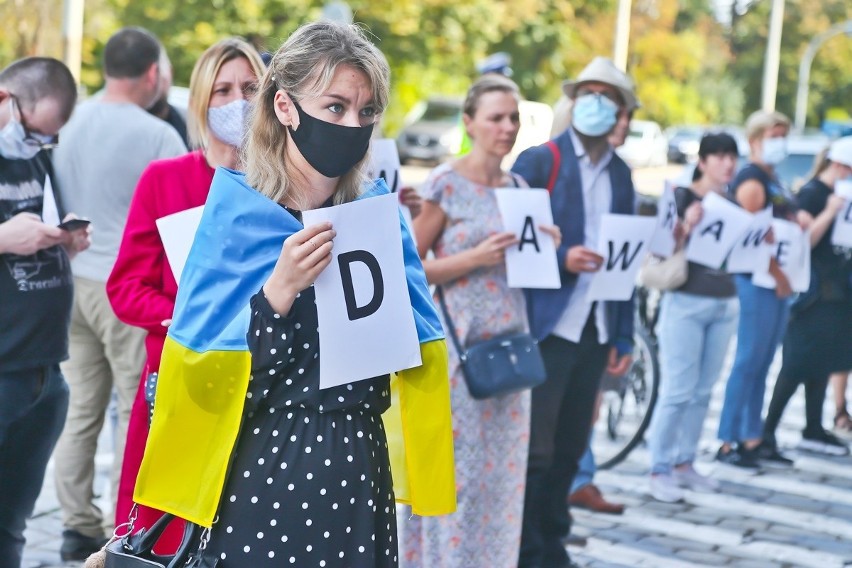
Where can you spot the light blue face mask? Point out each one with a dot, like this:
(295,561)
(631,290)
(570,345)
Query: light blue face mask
(774,151)
(594,114)
(13,142)
(228,122)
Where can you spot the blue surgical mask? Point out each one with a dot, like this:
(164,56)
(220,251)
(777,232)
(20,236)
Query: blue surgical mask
(774,151)
(13,143)
(228,122)
(594,114)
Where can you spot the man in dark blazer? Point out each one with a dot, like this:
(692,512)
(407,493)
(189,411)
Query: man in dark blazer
(579,338)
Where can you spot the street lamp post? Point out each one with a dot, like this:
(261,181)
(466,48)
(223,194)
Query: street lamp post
(805,69)
(72,36)
(773,55)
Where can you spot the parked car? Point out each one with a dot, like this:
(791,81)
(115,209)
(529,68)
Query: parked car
(792,172)
(645,146)
(683,143)
(802,151)
(433,130)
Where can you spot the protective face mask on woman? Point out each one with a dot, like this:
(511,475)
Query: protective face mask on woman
(594,114)
(228,122)
(331,149)
(774,151)
(13,143)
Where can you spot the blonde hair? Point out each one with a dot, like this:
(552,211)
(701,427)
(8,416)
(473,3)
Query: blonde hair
(488,83)
(204,76)
(760,121)
(304,67)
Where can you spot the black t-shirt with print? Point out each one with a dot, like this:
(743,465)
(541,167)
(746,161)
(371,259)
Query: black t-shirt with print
(36,291)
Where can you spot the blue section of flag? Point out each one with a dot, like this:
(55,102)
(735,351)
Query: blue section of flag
(237,244)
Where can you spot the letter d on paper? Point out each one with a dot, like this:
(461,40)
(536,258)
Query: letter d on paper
(353,310)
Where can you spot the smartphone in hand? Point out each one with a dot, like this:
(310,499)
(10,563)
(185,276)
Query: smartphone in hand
(74,224)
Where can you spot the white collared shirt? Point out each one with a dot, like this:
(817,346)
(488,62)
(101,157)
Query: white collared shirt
(597,201)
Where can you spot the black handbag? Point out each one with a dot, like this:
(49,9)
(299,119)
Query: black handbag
(136,550)
(498,366)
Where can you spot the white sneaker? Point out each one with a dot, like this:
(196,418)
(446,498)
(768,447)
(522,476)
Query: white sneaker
(691,479)
(664,488)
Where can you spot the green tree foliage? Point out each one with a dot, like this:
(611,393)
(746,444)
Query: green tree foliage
(688,66)
(831,74)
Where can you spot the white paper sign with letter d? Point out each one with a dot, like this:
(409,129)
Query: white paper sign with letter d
(366,325)
(623,245)
(532,262)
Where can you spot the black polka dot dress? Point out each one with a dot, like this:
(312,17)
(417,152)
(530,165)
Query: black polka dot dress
(310,481)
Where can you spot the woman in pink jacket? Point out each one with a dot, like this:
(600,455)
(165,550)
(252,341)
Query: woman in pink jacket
(141,287)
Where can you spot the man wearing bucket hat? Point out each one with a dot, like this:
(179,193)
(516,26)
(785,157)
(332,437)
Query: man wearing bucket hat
(579,338)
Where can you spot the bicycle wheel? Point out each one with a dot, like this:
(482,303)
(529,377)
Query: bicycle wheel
(628,403)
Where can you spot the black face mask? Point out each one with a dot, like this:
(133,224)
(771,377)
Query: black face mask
(331,149)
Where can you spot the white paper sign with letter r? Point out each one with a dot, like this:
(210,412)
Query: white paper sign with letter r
(366,324)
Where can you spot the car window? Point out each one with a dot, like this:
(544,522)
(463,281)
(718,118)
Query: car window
(436,112)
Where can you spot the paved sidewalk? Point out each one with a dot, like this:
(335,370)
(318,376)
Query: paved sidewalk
(776,518)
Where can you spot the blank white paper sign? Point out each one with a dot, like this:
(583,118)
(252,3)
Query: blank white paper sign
(177,231)
(369,330)
(532,263)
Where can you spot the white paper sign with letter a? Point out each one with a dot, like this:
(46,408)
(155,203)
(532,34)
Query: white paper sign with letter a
(532,262)
(366,324)
(720,227)
(623,245)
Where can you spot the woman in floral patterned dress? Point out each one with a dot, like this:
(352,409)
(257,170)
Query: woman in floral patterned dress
(461,224)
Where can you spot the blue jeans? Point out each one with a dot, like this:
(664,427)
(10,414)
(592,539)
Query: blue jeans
(694,333)
(763,320)
(586,470)
(33,404)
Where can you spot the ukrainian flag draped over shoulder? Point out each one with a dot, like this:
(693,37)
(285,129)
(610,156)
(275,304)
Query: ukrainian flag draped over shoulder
(204,372)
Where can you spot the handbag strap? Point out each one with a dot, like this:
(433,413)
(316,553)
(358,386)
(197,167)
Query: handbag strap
(439,291)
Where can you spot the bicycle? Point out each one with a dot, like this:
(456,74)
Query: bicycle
(628,401)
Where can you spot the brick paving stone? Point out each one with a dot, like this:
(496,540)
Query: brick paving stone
(681,544)
(708,558)
(700,516)
(744,525)
(796,502)
(650,544)
(624,535)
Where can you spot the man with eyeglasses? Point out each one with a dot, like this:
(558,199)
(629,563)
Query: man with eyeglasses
(105,148)
(579,338)
(37,96)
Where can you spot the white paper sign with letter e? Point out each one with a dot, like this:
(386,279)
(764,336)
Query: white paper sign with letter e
(841,234)
(623,245)
(751,252)
(177,231)
(366,324)
(532,262)
(663,242)
(720,227)
(792,252)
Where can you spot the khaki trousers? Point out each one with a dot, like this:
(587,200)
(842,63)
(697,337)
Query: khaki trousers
(104,354)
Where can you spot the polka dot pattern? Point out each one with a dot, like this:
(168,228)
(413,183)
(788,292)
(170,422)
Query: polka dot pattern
(310,485)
